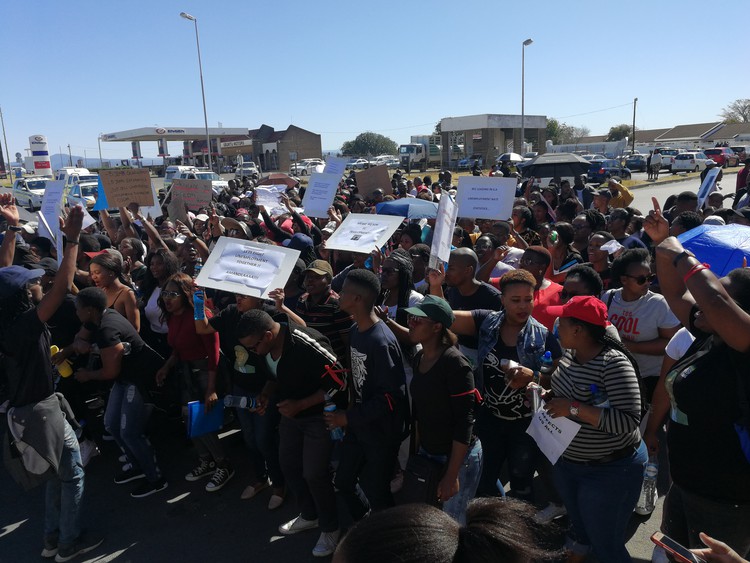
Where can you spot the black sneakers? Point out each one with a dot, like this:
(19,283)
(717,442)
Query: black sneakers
(127,474)
(203,469)
(221,477)
(145,488)
(86,542)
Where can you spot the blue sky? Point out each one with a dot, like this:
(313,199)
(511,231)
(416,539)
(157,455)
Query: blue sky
(339,68)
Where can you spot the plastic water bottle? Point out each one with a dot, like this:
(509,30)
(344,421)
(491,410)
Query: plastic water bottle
(548,365)
(599,397)
(338,432)
(241,402)
(198,267)
(647,500)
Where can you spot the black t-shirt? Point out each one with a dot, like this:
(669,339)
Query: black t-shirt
(244,364)
(140,363)
(705,457)
(64,324)
(502,401)
(26,359)
(485,297)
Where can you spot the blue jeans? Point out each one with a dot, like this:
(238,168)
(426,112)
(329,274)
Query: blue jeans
(506,440)
(468,481)
(126,418)
(600,500)
(64,494)
(261,437)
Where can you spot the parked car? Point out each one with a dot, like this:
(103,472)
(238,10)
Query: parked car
(29,193)
(636,163)
(306,166)
(689,162)
(723,156)
(603,170)
(357,163)
(466,163)
(742,151)
(83,193)
(591,157)
(248,169)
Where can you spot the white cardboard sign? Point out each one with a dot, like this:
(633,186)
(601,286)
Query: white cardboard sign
(481,197)
(444,226)
(270,198)
(321,189)
(51,208)
(552,435)
(363,233)
(335,165)
(247,267)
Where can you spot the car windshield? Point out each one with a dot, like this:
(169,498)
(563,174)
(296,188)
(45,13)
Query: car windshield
(669,152)
(89,191)
(208,176)
(406,150)
(712,151)
(36,185)
(89,178)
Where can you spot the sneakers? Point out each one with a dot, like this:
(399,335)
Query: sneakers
(551,512)
(50,547)
(297,525)
(89,450)
(221,477)
(252,490)
(85,543)
(326,545)
(145,489)
(204,469)
(128,474)
(277,498)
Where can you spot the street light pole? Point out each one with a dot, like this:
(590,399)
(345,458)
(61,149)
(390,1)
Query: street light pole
(7,154)
(99,140)
(203,91)
(635,101)
(523,87)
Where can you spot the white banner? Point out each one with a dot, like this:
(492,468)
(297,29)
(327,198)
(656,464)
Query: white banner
(335,165)
(552,435)
(363,233)
(321,189)
(443,235)
(51,208)
(480,197)
(247,267)
(708,186)
(269,197)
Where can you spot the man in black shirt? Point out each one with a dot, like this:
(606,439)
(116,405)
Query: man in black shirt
(25,347)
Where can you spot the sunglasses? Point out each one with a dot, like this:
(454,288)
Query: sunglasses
(388,271)
(170,294)
(641,280)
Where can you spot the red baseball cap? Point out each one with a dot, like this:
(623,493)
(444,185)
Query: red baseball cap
(586,308)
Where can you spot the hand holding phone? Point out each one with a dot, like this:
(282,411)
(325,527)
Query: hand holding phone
(680,553)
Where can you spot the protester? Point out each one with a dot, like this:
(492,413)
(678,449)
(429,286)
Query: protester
(106,273)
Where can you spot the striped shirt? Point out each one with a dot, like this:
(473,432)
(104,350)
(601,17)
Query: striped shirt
(328,319)
(612,372)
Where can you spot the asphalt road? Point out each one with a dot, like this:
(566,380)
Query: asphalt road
(185,523)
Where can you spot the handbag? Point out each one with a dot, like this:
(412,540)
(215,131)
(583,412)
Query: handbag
(421,478)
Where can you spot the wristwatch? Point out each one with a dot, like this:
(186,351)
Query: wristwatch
(574,407)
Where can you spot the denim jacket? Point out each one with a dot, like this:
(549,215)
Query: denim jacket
(530,345)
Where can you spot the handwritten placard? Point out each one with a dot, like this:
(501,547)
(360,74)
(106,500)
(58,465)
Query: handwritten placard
(481,197)
(195,193)
(321,189)
(127,185)
(373,179)
(444,226)
(176,209)
(552,435)
(247,267)
(363,233)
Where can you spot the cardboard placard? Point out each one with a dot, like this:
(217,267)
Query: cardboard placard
(247,267)
(443,235)
(176,209)
(363,233)
(126,185)
(321,189)
(195,193)
(373,179)
(480,197)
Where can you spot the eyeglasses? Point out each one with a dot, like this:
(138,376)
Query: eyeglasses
(170,294)
(641,280)
(418,320)
(388,271)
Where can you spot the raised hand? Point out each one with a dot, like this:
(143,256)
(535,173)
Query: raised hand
(655,225)
(71,227)
(8,209)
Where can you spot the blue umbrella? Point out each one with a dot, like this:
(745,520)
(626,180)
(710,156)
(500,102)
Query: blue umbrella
(409,207)
(721,246)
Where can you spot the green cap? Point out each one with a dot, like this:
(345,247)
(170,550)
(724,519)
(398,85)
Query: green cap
(435,309)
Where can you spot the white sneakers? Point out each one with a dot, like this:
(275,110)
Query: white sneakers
(327,543)
(297,525)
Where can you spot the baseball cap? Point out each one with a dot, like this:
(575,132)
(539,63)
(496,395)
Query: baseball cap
(435,309)
(605,193)
(714,220)
(299,242)
(14,278)
(586,308)
(48,265)
(97,253)
(201,217)
(233,224)
(30,227)
(320,267)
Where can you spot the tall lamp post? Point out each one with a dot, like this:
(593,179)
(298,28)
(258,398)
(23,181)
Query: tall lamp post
(203,92)
(523,86)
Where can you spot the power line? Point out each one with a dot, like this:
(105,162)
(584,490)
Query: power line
(595,111)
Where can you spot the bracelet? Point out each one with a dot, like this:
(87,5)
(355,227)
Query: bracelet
(73,242)
(694,270)
(681,255)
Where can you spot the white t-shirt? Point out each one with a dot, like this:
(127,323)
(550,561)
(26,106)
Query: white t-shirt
(153,313)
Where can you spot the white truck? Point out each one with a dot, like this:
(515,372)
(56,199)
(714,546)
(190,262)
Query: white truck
(423,152)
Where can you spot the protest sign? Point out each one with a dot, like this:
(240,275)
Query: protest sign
(552,435)
(126,185)
(443,235)
(270,198)
(708,186)
(176,209)
(153,210)
(101,198)
(321,189)
(247,267)
(363,233)
(195,193)
(373,179)
(49,212)
(480,197)
(335,165)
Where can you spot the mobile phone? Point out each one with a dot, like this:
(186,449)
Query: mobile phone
(680,553)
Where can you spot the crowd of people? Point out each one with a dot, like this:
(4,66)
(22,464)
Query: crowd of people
(364,362)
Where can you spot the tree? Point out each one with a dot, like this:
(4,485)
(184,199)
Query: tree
(737,112)
(619,132)
(438,128)
(369,143)
(563,134)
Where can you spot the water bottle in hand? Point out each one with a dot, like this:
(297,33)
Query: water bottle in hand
(240,402)
(338,432)
(647,500)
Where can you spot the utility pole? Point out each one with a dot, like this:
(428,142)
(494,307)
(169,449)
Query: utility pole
(7,154)
(635,101)
(99,140)
(70,155)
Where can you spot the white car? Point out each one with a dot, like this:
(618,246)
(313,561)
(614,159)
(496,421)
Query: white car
(248,169)
(306,166)
(360,163)
(29,192)
(84,194)
(689,162)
